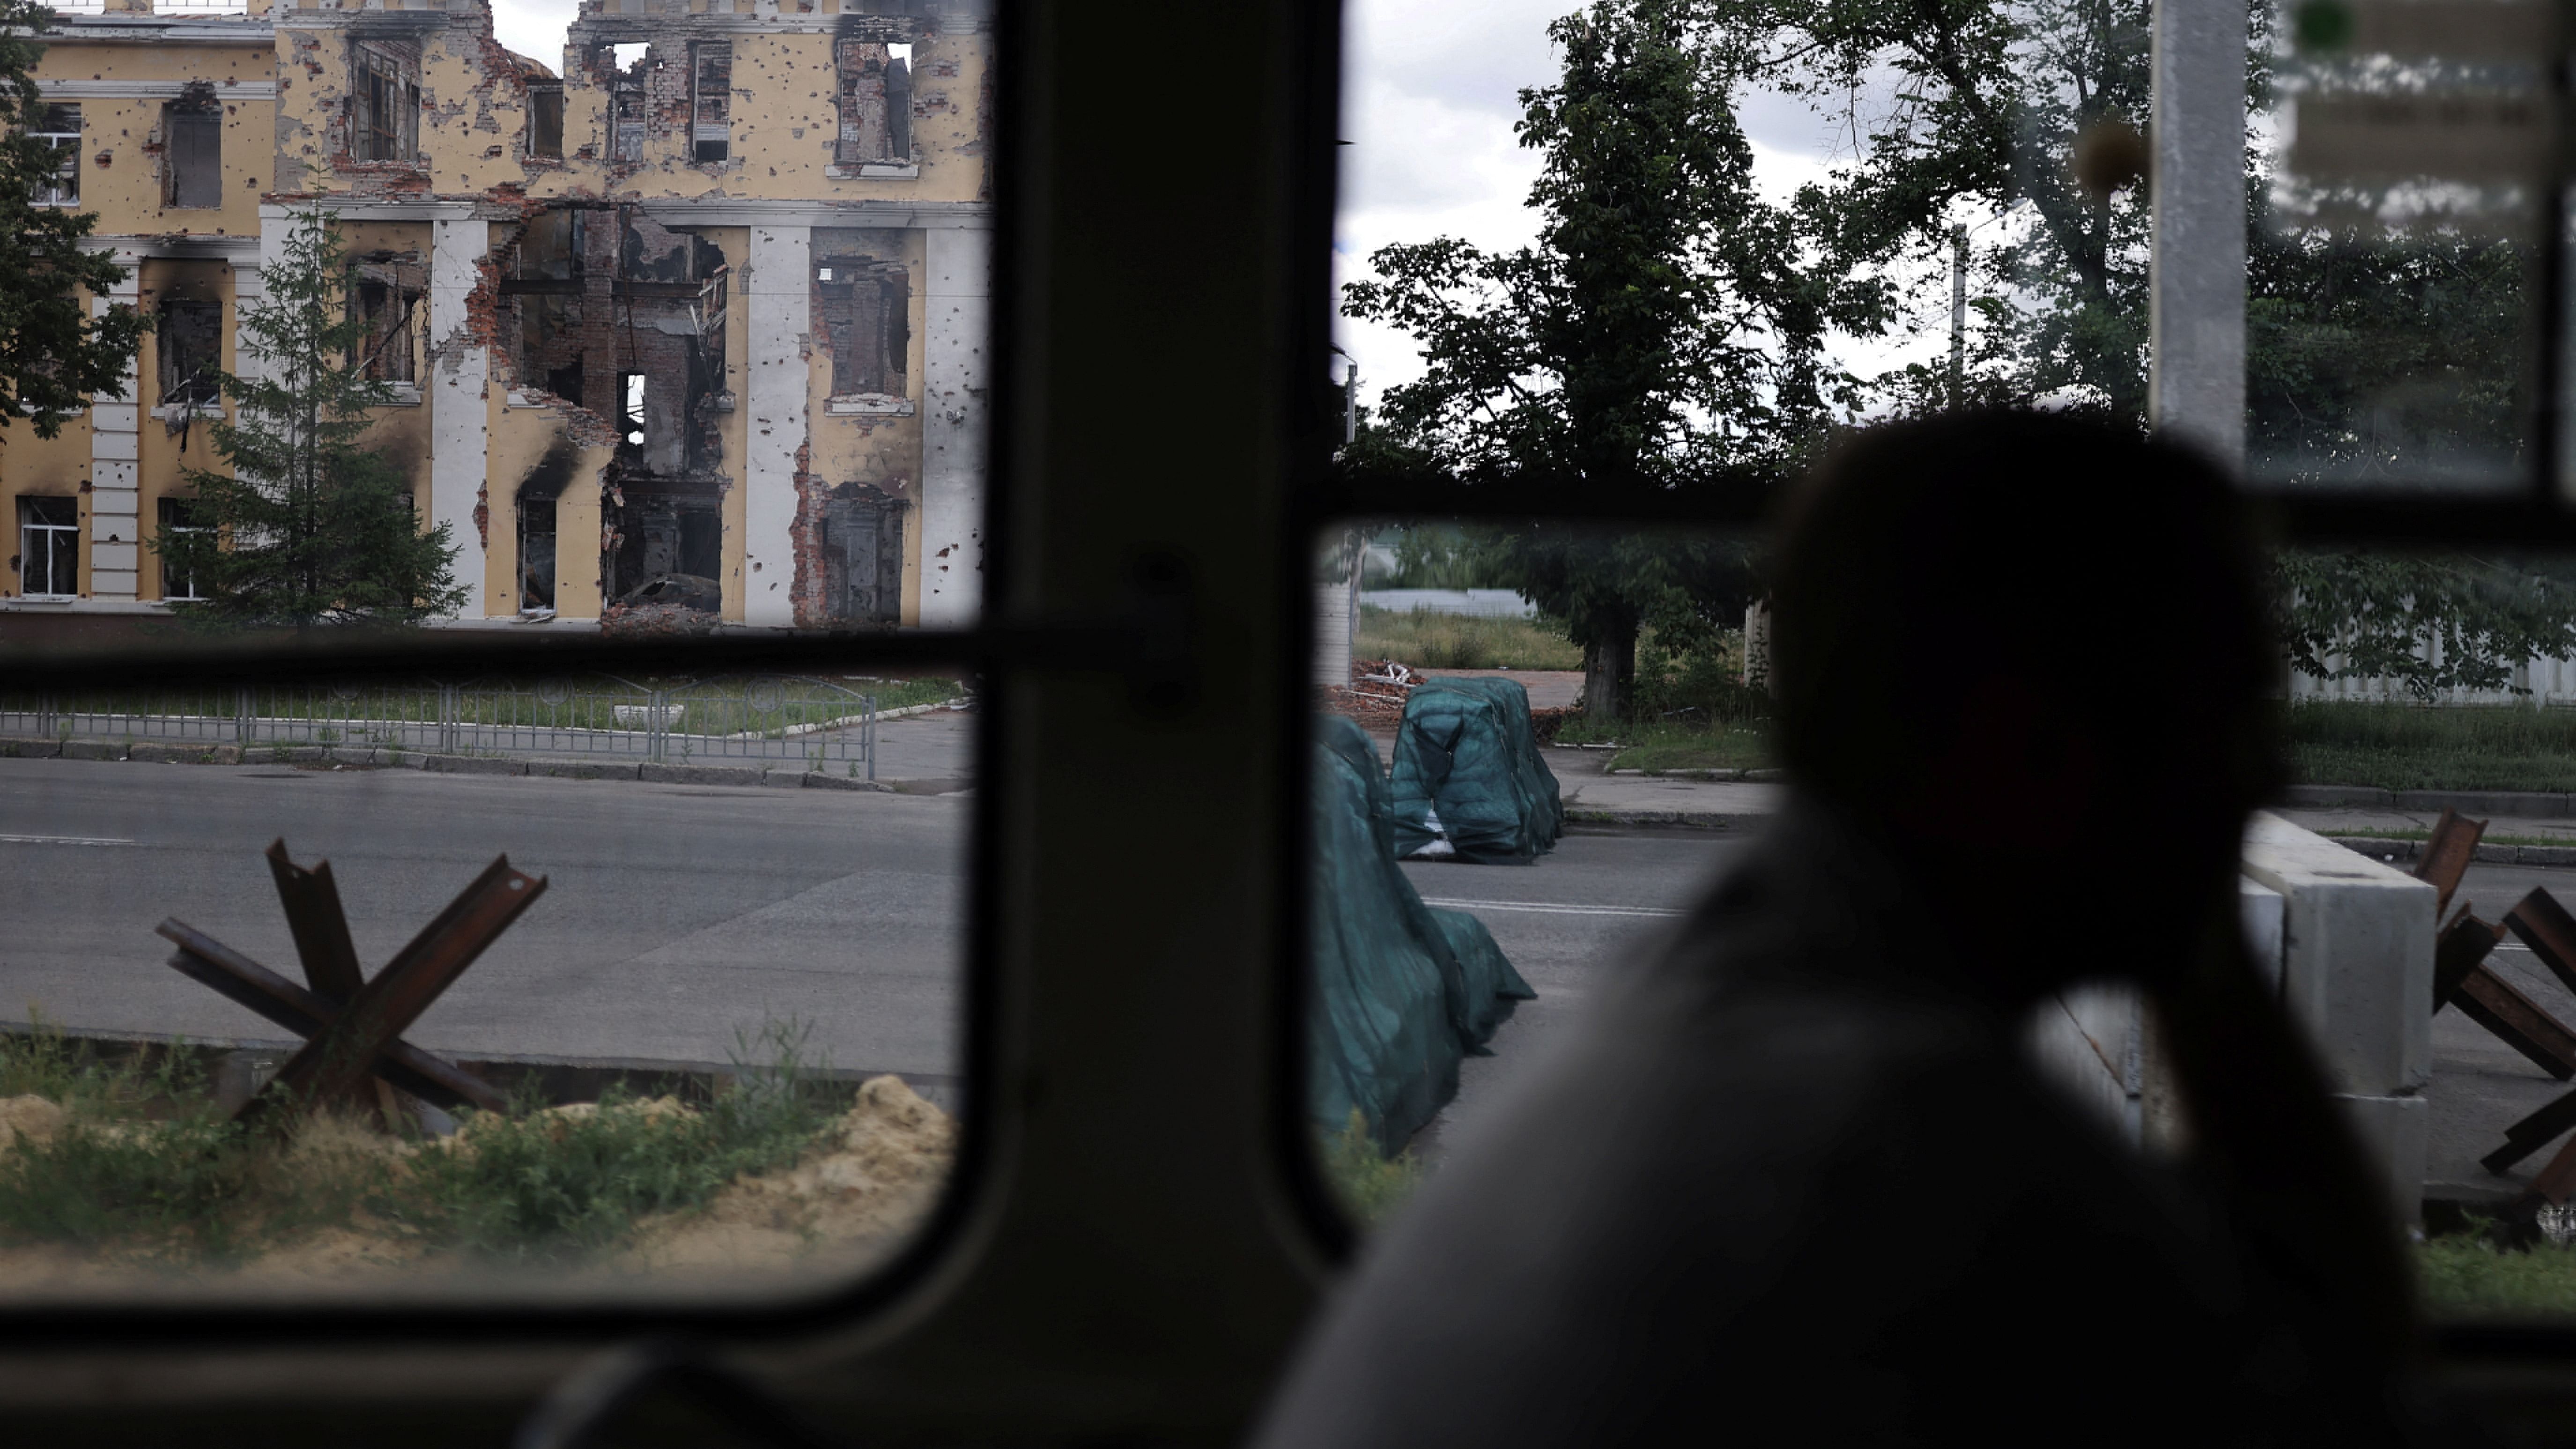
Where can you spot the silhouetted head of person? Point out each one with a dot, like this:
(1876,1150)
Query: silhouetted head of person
(2030,653)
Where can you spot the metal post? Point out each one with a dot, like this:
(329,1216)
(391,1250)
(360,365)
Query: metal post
(868,737)
(1958,312)
(2196,273)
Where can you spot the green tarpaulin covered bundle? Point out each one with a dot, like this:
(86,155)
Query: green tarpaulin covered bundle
(1402,991)
(1468,777)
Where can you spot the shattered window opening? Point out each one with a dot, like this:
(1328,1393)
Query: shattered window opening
(179,515)
(49,547)
(864,306)
(388,294)
(630,387)
(192,155)
(711,101)
(384,98)
(61,130)
(191,341)
(876,105)
(545,120)
(632,63)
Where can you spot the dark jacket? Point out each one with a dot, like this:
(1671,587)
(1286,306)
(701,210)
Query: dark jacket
(1785,1186)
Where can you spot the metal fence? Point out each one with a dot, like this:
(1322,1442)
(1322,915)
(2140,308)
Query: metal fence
(812,720)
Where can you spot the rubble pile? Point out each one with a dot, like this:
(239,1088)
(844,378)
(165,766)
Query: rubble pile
(1376,694)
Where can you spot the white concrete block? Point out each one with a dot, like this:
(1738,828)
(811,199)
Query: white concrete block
(106,474)
(2086,1042)
(119,556)
(779,300)
(2264,912)
(115,447)
(115,417)
(2357,957)
(2396,1134)
(112,585)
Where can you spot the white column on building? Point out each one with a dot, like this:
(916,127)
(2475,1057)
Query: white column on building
(459,423)
(115,451)
(956,381)
(778,295)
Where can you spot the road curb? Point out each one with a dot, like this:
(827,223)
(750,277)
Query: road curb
(2394,851)
(489,766)
(2511,804)
(1687,819)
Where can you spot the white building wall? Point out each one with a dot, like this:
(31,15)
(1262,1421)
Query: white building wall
(778,287)
(115,482)
(459,419)
(955,384)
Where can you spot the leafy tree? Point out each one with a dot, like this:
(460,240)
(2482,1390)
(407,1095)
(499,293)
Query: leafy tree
(1665,331)
(53,353)
(311,526)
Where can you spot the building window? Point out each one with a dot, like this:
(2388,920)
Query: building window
(545,120)
(191,345)
(876,104)
(179,515)
(864,305)
(388,300)
(384,101)
(61,130)
(192,149)
(711,98)
(49,547)
(631,62)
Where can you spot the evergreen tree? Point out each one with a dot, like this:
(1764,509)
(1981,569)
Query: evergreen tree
(53,354)
(311,527)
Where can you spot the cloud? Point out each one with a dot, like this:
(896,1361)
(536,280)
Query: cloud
(534,28)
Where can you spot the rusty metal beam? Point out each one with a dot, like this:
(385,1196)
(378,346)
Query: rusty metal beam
(246,982)
(2447,854)
(321,930)
(2549,931)
(2492,1002)
(334,1060)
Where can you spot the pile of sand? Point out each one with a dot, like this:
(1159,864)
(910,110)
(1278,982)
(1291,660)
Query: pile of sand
(867,1185)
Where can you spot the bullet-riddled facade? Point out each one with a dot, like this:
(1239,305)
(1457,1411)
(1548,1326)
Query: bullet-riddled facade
(697,315)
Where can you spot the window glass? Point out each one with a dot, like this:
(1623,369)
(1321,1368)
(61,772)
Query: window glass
(1489,853)
(2394,267)
(537,384)
(61,130)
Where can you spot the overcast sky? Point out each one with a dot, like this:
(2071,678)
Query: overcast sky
(1431,90)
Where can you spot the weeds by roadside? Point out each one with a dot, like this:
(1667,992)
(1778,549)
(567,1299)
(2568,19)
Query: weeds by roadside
(1371,1186)
(2417,747)
(2464,1275)
(1428,640)
(134,1164)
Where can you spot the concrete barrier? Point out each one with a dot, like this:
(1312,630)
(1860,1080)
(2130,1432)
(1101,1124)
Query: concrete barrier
(2347,942)
(2357,974)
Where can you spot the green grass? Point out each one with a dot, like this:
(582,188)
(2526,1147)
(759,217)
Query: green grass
(1427,640)
(1370,1184)
(2411,747)
(2462,1275)
(1726,745)
(184,1188)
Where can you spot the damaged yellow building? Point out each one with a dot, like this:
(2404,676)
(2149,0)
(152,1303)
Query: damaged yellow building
(702,318)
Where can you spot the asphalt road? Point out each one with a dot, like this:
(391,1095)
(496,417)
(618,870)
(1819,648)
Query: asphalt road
(674,917)
(1571,923)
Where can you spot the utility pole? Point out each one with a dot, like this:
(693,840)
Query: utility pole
(1958,312)
(2196,263)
